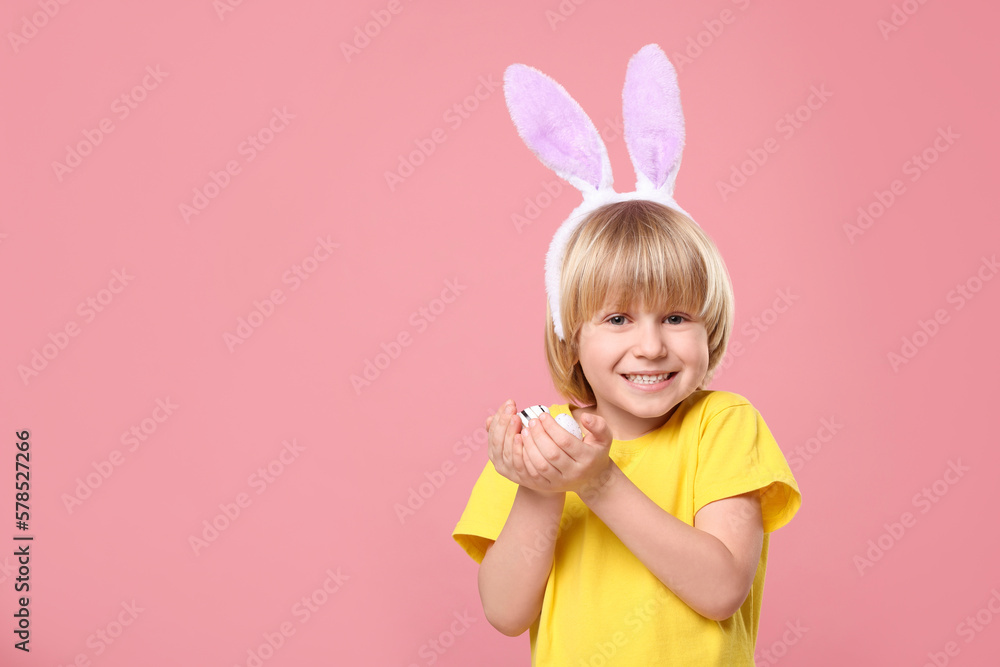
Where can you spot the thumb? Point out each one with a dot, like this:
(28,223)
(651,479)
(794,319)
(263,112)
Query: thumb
(598,431)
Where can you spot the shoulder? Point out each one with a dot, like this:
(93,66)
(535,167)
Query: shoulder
(706,404)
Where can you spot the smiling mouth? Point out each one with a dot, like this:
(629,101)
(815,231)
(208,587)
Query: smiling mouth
(646,378)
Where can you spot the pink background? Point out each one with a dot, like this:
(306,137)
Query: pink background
(332,504)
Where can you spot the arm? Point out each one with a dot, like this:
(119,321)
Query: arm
(710,566)
(515,569)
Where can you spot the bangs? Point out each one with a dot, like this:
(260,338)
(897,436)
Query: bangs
(629,260)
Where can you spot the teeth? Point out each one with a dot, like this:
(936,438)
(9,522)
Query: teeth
(648,379)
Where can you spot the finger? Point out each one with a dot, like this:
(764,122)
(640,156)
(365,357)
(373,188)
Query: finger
(548,448)
(543,466)
(517,457)
(506,448)
(495,439)
(599,433)
(529,468)
(553,441)
(513,423)
(498,428)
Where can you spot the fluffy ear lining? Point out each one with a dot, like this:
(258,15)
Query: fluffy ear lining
(654,122)
(556,128)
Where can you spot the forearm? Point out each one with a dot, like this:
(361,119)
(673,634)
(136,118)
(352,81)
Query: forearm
(514,571)
(695,565)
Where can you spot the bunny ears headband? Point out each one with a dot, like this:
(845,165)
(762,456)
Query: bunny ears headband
(564,138)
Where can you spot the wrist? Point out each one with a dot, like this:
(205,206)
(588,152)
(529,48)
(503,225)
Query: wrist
(541,496)
(598,485)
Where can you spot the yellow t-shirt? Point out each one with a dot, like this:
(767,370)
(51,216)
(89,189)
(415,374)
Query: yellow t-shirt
(601,605)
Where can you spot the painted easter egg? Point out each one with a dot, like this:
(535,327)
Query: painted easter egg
(566,421)
(531,413)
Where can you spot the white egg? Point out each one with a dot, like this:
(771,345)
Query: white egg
(569,424)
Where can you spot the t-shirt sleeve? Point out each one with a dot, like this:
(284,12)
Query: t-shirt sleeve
(738,454)
(486,512)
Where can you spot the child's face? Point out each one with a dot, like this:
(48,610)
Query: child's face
(617,345)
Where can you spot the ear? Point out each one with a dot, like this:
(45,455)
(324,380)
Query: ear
(654,122)
(556,128)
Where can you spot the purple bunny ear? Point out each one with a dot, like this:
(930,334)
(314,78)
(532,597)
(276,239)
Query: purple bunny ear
(654,122)
(556,128)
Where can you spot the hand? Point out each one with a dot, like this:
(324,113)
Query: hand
(548,459)
(503,428)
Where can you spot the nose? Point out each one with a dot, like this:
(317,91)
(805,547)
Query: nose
(650,339)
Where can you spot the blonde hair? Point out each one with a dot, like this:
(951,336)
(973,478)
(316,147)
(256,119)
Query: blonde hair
(637,253)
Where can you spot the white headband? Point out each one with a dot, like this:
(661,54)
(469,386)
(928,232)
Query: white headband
(564,138)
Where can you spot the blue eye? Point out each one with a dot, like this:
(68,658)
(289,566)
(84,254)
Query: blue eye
(617,319)
(680,319)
